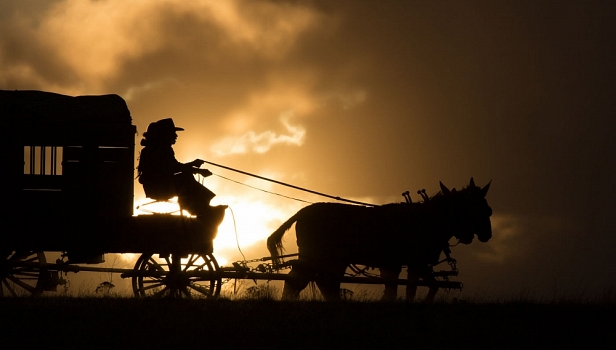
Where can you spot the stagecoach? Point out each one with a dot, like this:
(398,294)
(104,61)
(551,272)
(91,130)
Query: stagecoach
(69,174)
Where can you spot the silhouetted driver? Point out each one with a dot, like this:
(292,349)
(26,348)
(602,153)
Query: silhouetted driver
(163,177)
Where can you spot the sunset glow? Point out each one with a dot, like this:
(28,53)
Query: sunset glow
(363,101)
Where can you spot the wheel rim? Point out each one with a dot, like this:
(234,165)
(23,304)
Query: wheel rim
(191,276)
(20,274)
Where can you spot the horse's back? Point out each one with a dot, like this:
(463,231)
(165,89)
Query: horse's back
(350,232)
(335,220)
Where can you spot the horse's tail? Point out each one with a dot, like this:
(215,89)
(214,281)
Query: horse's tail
(274,241)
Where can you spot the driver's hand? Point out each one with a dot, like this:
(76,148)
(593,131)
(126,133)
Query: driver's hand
(198,163)
(204,172)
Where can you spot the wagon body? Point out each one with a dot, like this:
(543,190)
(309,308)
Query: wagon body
(70,175)
(92,236)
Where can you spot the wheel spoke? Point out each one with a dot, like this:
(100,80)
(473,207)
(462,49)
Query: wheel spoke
(23,285)
(154,265)
(27,275)
(10,289)
(161,292)
(201,267)
(153,286)
(31,259)
(200,289)
(18,269)
(191,260)
(158,280)
(13,293)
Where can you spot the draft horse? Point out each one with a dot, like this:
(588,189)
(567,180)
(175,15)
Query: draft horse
(330,236)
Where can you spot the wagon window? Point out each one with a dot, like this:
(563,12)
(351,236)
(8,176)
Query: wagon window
(42,160)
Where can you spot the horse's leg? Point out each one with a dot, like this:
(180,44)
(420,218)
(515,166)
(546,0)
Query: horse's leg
(431,291)
(329,289)
(391,288)
(426,275)
(296,281)
(328,281)
(412,276)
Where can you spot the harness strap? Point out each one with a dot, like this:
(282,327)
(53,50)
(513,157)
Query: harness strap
(288,185)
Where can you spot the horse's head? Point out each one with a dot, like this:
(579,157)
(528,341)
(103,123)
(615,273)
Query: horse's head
(468,212)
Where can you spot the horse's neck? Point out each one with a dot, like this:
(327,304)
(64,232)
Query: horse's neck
(438,227)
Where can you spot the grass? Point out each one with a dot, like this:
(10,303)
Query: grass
(257,321)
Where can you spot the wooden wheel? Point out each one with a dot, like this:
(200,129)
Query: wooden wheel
(188,276)
(21,274)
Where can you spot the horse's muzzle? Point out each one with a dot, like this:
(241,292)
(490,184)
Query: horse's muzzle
(486,234)
(467,239)
(484,239)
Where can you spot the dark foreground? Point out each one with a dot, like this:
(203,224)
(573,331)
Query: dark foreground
(124,323)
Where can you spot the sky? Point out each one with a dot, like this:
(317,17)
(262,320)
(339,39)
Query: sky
(365,100)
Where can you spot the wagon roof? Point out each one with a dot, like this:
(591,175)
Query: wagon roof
(29,107)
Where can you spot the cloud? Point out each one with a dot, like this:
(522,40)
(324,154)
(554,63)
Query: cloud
(346,98)
(91,41)
(261,142)
(506,232)
(268,28)
(134,91)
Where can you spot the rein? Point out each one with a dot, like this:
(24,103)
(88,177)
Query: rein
(292,186)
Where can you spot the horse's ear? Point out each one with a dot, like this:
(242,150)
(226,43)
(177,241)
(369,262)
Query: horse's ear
(484,191)
(472,183)
(444,189)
